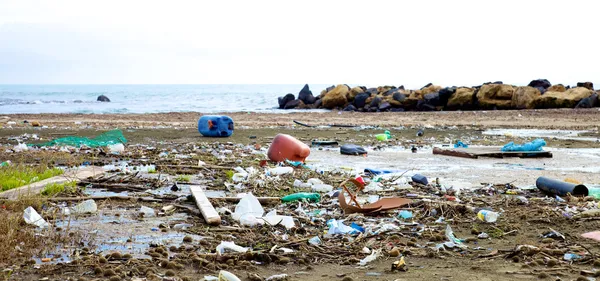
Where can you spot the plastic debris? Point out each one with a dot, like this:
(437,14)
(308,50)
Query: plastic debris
(322,188)
(399,265)
(453,240)
(117,148)
(384,137)
(370,258)
(31,216)
(316,241)
(460,144)
(273,219)
(278,277)
(352,149)
(553,234)
(535,145)
(280,171)
(405,214)
(483,235)
(312,197)
(594,235)
(228,246)
(105,139)
(147,212)
(85,207)
(571,257)
(248,211)
(487,216)
(227,276)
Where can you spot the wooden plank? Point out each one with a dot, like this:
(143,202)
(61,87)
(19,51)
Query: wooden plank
(495,152)
(38,187)
(206,208)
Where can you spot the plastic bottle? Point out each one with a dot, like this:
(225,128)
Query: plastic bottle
(322,188)
(280,171)
(487,216)
(215,126)
(383,137)
(594,192)
(227,276)
(314,197)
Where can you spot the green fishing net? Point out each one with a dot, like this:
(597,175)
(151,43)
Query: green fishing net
(108,138)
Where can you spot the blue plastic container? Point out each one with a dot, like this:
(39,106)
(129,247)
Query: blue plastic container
(215,126)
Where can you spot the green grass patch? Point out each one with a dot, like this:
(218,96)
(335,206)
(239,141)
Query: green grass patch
(13,176)
(183,178)
(56,188)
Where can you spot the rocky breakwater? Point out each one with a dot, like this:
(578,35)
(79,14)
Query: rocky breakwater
(538,93)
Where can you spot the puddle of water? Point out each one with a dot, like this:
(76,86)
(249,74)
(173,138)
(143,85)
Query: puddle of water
(540,133)
(103,192)
(120,230)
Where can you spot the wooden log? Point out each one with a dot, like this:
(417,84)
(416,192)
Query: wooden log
(206,208)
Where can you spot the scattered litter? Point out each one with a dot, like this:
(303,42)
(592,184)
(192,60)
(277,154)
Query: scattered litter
(228,246)
(31,216)
(85,207)
(147,212)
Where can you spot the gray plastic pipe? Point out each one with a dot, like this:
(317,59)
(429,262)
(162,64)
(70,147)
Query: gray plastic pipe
(560,187)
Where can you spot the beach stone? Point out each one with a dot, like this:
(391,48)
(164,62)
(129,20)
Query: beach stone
(399,97)
(384,89)
(397,109)
(557,88)
(462,99)
(336,97)
(497,96)
(540,83)
(432,99)
(360,100)
(384,106)
(285,99)
(306,95)
(428,89)
(524,97)
(589,102)
(375,101)
(568,99)
(293,104)
(588,85)
(350,108)
(103,98)
(445,94)
(371,91)
(354,92)
(318,103)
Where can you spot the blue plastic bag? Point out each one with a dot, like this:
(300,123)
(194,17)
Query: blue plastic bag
(535,145)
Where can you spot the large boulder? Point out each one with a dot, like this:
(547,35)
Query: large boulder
(557,88)
(306,95)
(350,108)
(540,83)
(103,98)
(567,99)
(293,104)
(285,99)
(588,85)
(524,97)
(354,92)
(428,89)
(589,102)
(463,98)
(336,97)
(445,95)
(498,96)
(375,101)
(384,106)
(360,100)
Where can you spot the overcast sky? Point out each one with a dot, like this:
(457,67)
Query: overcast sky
(279,42)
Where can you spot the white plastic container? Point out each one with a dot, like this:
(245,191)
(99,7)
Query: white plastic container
(322,188)
(85,207)
(280,171)
(31,216)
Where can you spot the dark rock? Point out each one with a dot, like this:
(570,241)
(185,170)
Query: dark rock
(568,87)
(541,89)
(330,88)
(373,109)
(540,83)
(384,106)
(375,102)
(306,95)
(390,92)
(422,105)
(350,108)
(432,99)
(371,91)
(588,85)
(589,102)
(292,104)
(399,96)
(360,100)
(445,94)
(428,84)
(285,99)
(352,149)
(318,103)
(397,109)
(103,98)
(401,87)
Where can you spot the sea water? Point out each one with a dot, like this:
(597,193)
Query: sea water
(145,98)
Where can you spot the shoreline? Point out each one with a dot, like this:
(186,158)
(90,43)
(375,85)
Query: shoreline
(568,119)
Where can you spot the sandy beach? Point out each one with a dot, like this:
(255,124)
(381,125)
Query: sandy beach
(172,144)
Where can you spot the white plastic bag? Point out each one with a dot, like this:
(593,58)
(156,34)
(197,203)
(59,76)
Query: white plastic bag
(230,246)
(248,205)
(85,207)
(31,216)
